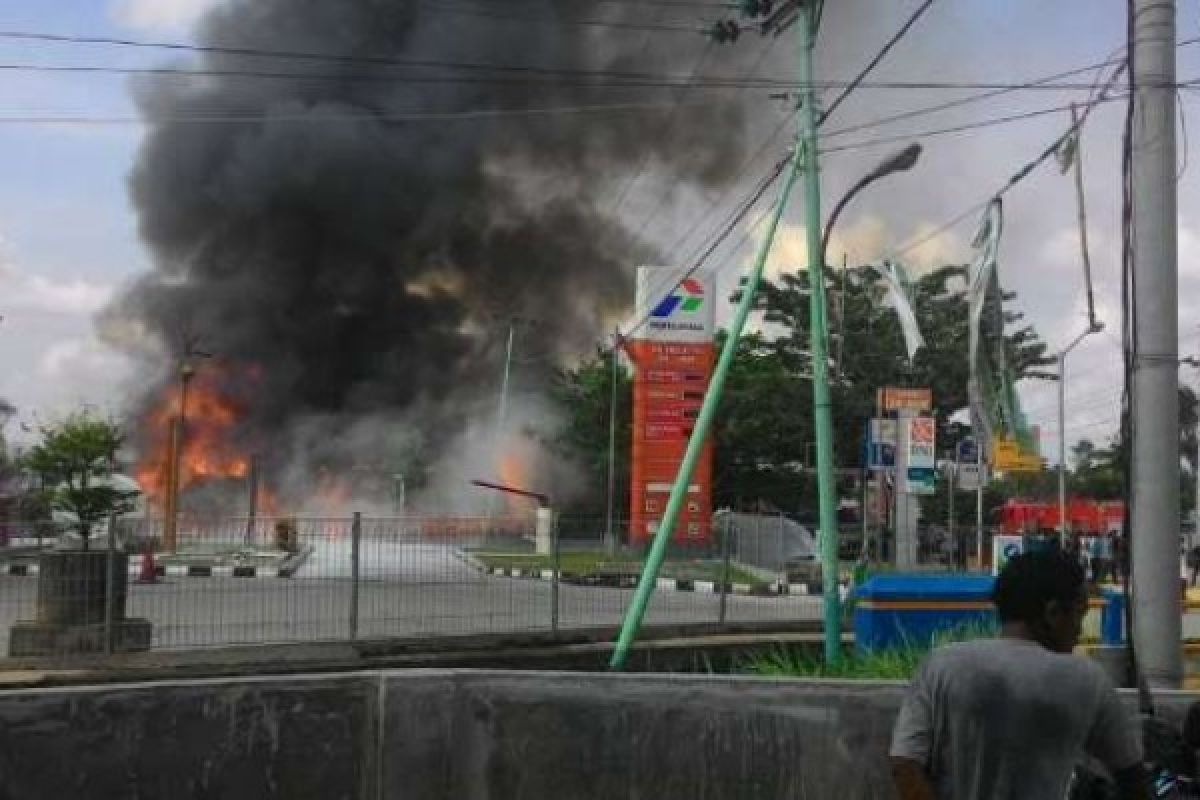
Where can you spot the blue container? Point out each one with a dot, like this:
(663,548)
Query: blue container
(1112,618)
(897,610)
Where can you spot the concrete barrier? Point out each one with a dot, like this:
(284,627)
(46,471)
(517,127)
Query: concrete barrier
(455,735)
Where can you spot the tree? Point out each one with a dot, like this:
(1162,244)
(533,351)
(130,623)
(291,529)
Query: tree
(1098,473)
(764,442)
(867,345)
(764,437)
(74,461)
(583,394)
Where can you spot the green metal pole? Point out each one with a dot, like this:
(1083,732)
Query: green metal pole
(712,398)
(822,410)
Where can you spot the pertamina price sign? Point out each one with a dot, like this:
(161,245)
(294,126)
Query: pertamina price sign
(673,355)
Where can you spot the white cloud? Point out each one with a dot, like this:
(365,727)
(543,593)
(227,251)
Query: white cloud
(74,358)
(160,15)
(25,292)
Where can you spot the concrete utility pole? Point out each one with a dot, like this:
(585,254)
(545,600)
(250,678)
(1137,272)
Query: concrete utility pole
(1155,409)
(822,402)
(906,531)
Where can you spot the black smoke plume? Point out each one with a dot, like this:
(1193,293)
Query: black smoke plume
(365,265)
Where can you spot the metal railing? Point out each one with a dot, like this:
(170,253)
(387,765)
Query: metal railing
(269,580)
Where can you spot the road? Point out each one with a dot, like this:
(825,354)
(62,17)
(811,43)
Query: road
(406,589)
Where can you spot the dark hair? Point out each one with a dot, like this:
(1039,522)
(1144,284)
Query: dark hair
(1030,581)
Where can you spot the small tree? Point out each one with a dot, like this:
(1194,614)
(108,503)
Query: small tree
(74,460)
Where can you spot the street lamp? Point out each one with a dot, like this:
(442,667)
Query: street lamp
(1094,326)
(902,161)
(899,162)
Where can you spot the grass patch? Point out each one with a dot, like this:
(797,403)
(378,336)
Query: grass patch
(589,563)
(899,663)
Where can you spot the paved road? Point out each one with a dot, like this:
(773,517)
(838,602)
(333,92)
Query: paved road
(407,589)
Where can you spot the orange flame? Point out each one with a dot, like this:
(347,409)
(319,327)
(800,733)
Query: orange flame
(514,471)
(331,495)
(207,453)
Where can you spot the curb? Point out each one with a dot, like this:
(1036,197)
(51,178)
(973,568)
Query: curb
(173,571)
(471,561)
(630,581)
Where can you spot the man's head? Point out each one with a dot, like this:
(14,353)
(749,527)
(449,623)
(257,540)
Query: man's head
(1045,595)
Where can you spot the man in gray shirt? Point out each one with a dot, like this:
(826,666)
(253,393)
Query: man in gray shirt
(1008,718)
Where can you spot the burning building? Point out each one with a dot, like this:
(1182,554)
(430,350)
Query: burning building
(349,228)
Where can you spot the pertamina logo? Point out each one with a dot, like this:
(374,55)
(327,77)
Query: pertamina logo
(688,298)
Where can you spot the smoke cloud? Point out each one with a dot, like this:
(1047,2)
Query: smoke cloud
(363,267)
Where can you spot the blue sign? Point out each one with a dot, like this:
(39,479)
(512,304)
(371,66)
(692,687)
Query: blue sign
(968,452)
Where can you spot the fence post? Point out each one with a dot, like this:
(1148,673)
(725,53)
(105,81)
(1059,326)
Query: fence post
(355,552)
(722,610)
(554,573)
(109,589)
(783,555)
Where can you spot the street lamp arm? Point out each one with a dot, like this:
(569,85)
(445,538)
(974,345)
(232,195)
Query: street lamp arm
(902,161)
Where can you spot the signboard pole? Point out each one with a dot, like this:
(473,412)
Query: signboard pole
(905,535)
(951,470)
(979,502)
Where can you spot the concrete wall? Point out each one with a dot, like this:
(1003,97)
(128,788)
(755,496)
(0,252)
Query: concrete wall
(454,735)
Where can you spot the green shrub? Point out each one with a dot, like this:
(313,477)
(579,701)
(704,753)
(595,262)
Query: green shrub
(898,663)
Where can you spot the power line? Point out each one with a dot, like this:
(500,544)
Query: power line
(716,241)
(379,116)
(1016,177)
(874,62)
(662,200)
(711,83)
(966,126)
(669,127)
(443,8)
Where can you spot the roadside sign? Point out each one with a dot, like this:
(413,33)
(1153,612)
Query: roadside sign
(1004,548)
(969,476)
(896,398)
(968,452)
(922,480)
(1008,457)
(922,442)
(881,444)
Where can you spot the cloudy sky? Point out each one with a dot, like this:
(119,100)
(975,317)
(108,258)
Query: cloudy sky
(68,235)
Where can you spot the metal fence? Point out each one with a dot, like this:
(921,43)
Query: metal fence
(235,581)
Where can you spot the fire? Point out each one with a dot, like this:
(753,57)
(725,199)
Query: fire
(207,452)
(331,495)
(513,469)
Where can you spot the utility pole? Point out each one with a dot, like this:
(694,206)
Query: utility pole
(979,498)
(822,404)
(178,437)
(952,476)
(636,610)
(610,541)
(1155,400)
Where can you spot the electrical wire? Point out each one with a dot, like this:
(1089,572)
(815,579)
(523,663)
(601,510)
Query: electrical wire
(724,234)
(874,62)
(966,126)
(381,116)
(551,79)
(669,130)
(530,19)
(662,287)
(1016,177)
